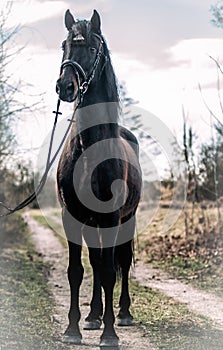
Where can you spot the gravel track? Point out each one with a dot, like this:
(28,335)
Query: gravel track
(54,253)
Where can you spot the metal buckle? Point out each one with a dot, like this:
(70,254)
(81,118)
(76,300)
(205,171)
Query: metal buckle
(84,87)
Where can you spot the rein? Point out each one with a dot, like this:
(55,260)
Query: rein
(82,89)
(49,164)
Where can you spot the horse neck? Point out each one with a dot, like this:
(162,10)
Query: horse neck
(104,89)
(98,115)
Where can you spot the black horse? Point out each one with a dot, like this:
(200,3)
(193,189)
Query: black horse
(99,179)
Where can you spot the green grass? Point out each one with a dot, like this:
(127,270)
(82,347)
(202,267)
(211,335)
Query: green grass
(203,274)
(27,305)
(52,223)
(169,324)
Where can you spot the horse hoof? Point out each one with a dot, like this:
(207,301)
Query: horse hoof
(92,325)
(125,322)
(109,342)
(72,339)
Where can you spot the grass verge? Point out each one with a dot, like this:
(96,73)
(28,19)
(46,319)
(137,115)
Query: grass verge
(52,222)
(195,256)
(202,274)
(168,324)
(26,307)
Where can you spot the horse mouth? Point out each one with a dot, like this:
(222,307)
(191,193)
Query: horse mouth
(67,93)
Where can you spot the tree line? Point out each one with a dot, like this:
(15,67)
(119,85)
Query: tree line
(16,178)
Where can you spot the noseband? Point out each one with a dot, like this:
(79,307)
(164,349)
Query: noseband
(79,71)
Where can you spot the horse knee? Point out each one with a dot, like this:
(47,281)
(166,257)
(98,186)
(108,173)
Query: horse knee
(75,274)
(108,277)
(95,257)
(124,255)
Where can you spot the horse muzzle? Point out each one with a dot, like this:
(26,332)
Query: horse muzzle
(66,89)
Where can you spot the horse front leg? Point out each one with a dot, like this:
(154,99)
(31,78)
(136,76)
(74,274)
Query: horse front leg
(94,319)
(124,256)
(75,276)
(109,337)
(75,273)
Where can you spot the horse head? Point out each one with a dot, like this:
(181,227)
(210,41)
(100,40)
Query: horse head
(83,56)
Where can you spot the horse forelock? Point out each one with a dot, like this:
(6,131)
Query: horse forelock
(83,28)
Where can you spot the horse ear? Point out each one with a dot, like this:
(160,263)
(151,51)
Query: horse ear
(69,20)
(96,22)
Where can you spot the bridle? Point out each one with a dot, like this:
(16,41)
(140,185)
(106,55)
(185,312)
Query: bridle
(83,84)
(82,89)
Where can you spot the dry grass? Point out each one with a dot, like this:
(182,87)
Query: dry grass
(192,248)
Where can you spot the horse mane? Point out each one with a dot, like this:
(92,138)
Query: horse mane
(112,84)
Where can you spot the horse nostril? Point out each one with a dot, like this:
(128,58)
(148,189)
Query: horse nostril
(70,87)
(65,89)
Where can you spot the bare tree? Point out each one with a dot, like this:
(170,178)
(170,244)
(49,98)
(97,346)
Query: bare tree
(217,14)
(6,96)
(13,182)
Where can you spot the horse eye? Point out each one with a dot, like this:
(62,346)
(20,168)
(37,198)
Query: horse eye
(93,49)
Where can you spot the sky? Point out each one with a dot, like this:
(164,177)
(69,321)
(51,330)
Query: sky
(159,48)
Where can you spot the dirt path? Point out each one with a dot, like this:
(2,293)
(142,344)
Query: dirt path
(200,302)
(55,254)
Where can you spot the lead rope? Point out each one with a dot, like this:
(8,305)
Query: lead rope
(49,163)
(82,90)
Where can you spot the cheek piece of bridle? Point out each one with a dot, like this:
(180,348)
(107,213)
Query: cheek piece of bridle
(80,72)
(82,89)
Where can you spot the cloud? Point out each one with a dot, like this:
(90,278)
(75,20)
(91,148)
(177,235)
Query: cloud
(29,11)
(143,31)
(42,22)
(196,53)
(146,30)
(80,7)
(210,86)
